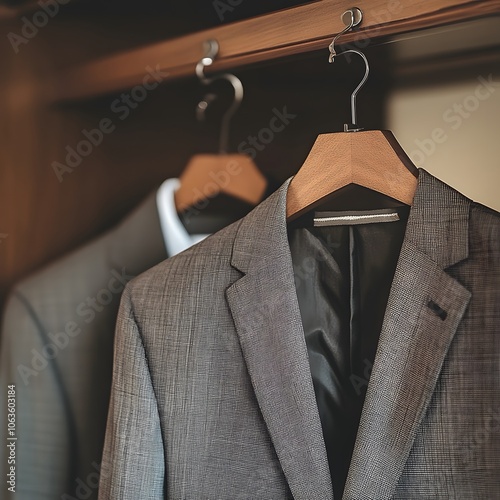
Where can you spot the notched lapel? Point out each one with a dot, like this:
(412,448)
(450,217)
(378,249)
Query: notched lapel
(424,309)
(265,310)
(413,345)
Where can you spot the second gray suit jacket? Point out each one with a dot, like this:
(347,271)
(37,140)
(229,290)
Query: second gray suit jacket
(57,348)
(212,395)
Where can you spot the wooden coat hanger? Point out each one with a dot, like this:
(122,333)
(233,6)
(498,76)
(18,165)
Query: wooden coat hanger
(372,159)
(207,175)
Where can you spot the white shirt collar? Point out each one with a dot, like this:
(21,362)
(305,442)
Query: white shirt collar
(176,238)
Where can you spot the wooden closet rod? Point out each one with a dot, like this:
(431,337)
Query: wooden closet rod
(287,32)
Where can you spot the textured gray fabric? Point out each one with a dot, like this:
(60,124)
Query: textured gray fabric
(62,402)
(212,395)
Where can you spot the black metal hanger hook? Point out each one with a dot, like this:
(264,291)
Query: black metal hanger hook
(354,16)
(211,50)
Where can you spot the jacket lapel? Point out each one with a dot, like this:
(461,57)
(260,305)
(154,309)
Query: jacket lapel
(423,312)
(424,309)
(267,318)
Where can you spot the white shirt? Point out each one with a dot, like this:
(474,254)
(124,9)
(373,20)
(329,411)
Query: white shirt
(175,235)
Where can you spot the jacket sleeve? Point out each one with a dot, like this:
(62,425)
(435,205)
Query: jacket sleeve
(133,464)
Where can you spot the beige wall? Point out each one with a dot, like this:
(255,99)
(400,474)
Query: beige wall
(453,131)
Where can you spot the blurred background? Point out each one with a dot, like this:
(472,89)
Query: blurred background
(418,84)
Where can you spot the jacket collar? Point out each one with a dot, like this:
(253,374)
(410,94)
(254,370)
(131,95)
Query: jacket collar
(413,343)
(267,318)
(438,224)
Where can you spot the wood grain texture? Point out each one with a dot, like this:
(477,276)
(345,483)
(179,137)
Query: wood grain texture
(292,31)
(337,160)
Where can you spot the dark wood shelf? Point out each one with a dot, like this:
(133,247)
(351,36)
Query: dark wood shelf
(284,33)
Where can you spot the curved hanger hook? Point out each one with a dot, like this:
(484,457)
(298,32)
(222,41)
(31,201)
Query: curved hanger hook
(354,120)
(211,51)
(355,17)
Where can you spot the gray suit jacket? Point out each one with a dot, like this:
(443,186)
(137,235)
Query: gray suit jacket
(57,348)
(212,395)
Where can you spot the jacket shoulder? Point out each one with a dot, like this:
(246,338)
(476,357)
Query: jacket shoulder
(63,279)
(482,211)
(209,260)
(484,229)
